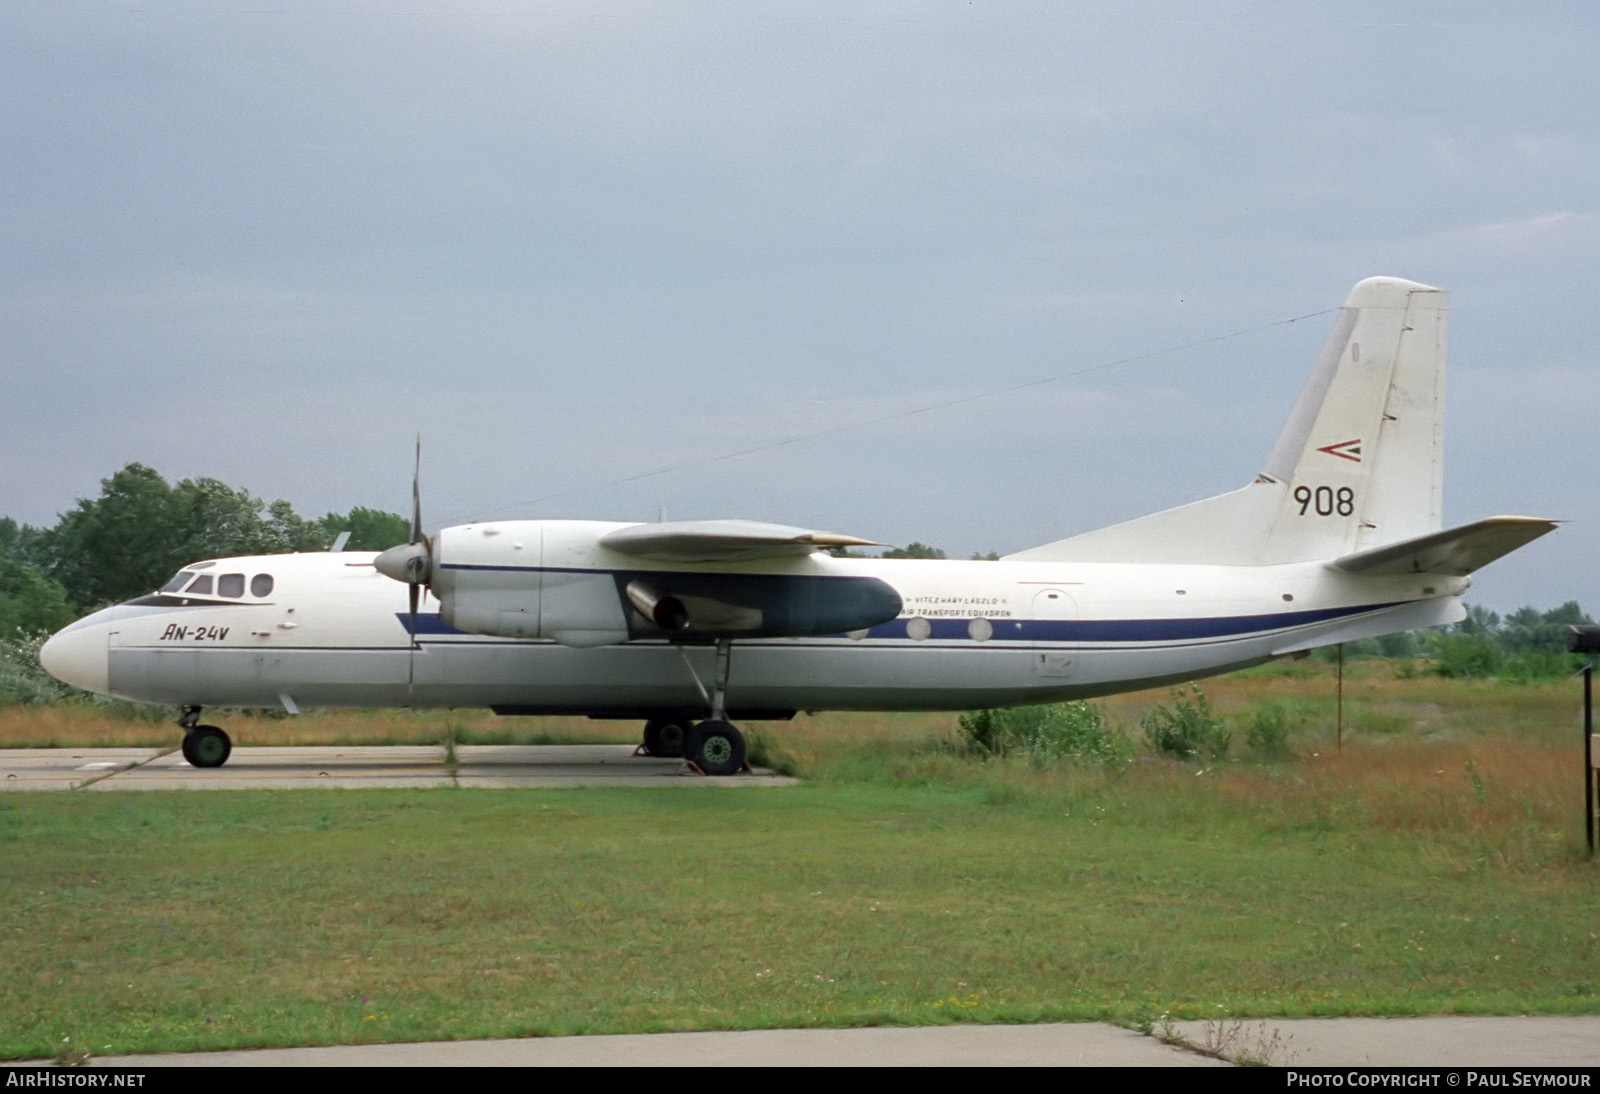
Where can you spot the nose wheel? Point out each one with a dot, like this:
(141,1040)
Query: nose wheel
(203,746)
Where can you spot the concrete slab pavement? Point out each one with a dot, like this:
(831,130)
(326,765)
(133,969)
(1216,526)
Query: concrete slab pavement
(1056,1045)
(1444,1042)
(303,767)
(1557,1041)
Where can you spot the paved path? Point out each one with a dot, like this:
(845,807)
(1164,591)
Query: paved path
(937,1046)
(1562,1042)
(290,768)
(1406,1042)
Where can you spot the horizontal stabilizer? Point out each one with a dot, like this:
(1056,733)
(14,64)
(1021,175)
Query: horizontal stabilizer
(1455,552)
(722,541)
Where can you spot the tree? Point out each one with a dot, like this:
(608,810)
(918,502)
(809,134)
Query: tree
(140,531)
(30,603)
(370,529)
(914,550)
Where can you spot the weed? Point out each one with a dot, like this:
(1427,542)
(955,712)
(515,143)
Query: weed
(1378,721)
(1478,793)
(760,752)
(1075,732)
(1268,732)
(1189,728)
(70,1055)
(1251,1046)
(452,762)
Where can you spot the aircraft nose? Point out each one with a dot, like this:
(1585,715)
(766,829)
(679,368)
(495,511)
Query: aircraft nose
(76,655)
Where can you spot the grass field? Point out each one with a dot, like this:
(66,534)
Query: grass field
(1433,864)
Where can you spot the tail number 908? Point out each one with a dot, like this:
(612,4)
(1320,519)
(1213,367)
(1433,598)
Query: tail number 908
(1325,500)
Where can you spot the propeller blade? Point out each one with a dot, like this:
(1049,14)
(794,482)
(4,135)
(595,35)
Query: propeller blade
(415,591)
(416,496)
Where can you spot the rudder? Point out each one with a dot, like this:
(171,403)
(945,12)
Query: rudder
(1362,453)
(1358,464)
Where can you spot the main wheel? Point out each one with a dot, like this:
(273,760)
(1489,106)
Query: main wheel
(664,737)
(716,748)
(206,746)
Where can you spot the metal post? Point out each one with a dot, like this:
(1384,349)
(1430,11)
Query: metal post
(1339,731)
(1586,639)
(1588,753)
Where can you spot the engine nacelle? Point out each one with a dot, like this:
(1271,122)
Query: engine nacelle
(553,579)
(529,579)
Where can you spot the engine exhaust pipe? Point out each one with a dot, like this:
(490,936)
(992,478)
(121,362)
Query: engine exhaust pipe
(666,612)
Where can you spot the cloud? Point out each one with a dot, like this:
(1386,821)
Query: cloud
(1561,230)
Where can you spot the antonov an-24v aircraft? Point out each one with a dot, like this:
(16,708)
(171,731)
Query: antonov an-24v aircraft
(691,625)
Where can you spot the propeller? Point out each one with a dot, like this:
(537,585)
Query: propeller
(411,562)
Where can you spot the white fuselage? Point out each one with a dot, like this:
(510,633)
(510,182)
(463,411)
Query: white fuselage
(334,632)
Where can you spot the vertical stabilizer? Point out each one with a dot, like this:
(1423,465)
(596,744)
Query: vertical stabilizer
(1358,464)
(1362,451)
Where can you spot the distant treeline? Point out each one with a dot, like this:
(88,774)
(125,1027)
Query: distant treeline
(1526,645)
(141,530)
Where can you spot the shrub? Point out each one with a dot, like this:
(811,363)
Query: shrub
(1188,728)
(22,680)
(1075,732)
(1534,663)
(1268,733)
(1467,655)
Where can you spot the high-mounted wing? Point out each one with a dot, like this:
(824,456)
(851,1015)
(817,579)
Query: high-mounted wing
(1455,551)
(722,541)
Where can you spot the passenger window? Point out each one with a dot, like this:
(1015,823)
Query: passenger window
(201,586)
(261,585)
(178,581)
(230,585)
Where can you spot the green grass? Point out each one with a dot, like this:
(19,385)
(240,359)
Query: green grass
(160,922)
(1433,865)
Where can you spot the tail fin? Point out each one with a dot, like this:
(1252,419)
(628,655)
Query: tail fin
(1358,465)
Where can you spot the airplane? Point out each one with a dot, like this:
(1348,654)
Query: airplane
(692,626)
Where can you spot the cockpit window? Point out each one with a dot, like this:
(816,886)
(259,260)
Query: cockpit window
(179,581)
(261,585)
(201,586)
(230,585)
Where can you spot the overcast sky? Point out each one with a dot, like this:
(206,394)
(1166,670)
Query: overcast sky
(575,243)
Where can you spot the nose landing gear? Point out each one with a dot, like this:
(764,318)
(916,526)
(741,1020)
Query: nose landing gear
(203,746)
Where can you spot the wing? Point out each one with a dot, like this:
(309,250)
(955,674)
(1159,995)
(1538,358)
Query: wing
(1455,551)
(722,541)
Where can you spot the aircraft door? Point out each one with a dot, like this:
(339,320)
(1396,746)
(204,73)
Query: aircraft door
(1054,604)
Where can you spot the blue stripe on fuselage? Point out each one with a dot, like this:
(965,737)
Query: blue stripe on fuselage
(1066,630)
(1127,630)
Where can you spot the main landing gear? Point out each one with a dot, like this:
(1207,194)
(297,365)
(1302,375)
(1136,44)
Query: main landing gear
(665,736)
(203,746)
(715,746)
